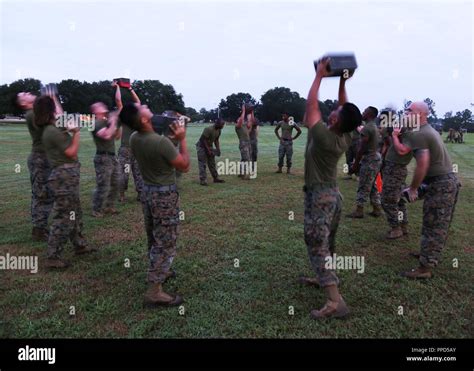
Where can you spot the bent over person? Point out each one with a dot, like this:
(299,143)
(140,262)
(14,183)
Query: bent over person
(434,169)
(206,154)
(322,199)
(157,159)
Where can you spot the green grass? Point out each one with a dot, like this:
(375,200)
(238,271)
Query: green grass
(236,220)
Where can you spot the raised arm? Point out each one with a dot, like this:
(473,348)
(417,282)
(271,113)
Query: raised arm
(313,113)
(241,118)
(182,161)
(134,96)
(110,131)
(118,96)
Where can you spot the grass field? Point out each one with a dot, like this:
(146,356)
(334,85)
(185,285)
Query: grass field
(236,220)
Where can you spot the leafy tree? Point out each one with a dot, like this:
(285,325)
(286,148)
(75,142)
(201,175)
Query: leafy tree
(231,106)
(279,100)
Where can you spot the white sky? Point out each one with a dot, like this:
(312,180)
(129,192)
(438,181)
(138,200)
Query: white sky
(208,50)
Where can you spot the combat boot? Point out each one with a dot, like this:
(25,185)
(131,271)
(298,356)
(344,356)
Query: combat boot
(394,233)
(217,180)
(203,183)
(331,309)
(377,211)
(246,177)
(418,273)
(84,250)
(404,229)
(111,211)
(288,170)
(56,263)
(97,214)
(279,170)
(122,197)
(358,213)
(309,281)
(155,296)
(39,234)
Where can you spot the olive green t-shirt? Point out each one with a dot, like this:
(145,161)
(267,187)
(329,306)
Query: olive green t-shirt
(36,132)
(286,129)
(392,155)
(55,142)
(429,138)
(211,134)
(371,131)
(154,154)
(323,150)
(242,132)
(126,132)
(101,144)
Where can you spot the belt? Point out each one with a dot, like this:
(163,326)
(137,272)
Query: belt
(68,165)
(287,140)
(437,178)
(319,186)
(105,153)
(156,188)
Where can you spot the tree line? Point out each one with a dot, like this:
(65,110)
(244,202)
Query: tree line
(77,96)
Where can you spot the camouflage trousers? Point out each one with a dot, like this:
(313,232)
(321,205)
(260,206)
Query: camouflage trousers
(394,205)
(253,152)
(107,177)
(285,149)
(41,195)
(369,168)
(438,210)
(322,212)
(351,153)
(203,159)
(67,212)
(129,163)
(245,155)
(161,213)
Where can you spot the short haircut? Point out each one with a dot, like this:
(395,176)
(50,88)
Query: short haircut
(219,121)
(44,110)
(350,117)
(373,111)
(130,116)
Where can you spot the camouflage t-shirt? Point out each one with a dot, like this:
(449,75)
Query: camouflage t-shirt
(55,142)
(36,132)
(392,155)
(126,132)
(286,129)
(211,134)
(154,154)
(101,144)
(371,131)
(429,138)
(323,150)
(242,132)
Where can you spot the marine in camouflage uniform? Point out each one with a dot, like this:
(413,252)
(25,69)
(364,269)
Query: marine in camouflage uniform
(440,198)
(64,184)
(394,174)
(107,170)
(40,169)
(205,153)
(351,153)
(128,163)
(370,165)
(286,142)
(253,136)
(245,149)
(154,154)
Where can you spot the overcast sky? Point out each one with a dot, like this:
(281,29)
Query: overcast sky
(208,50)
